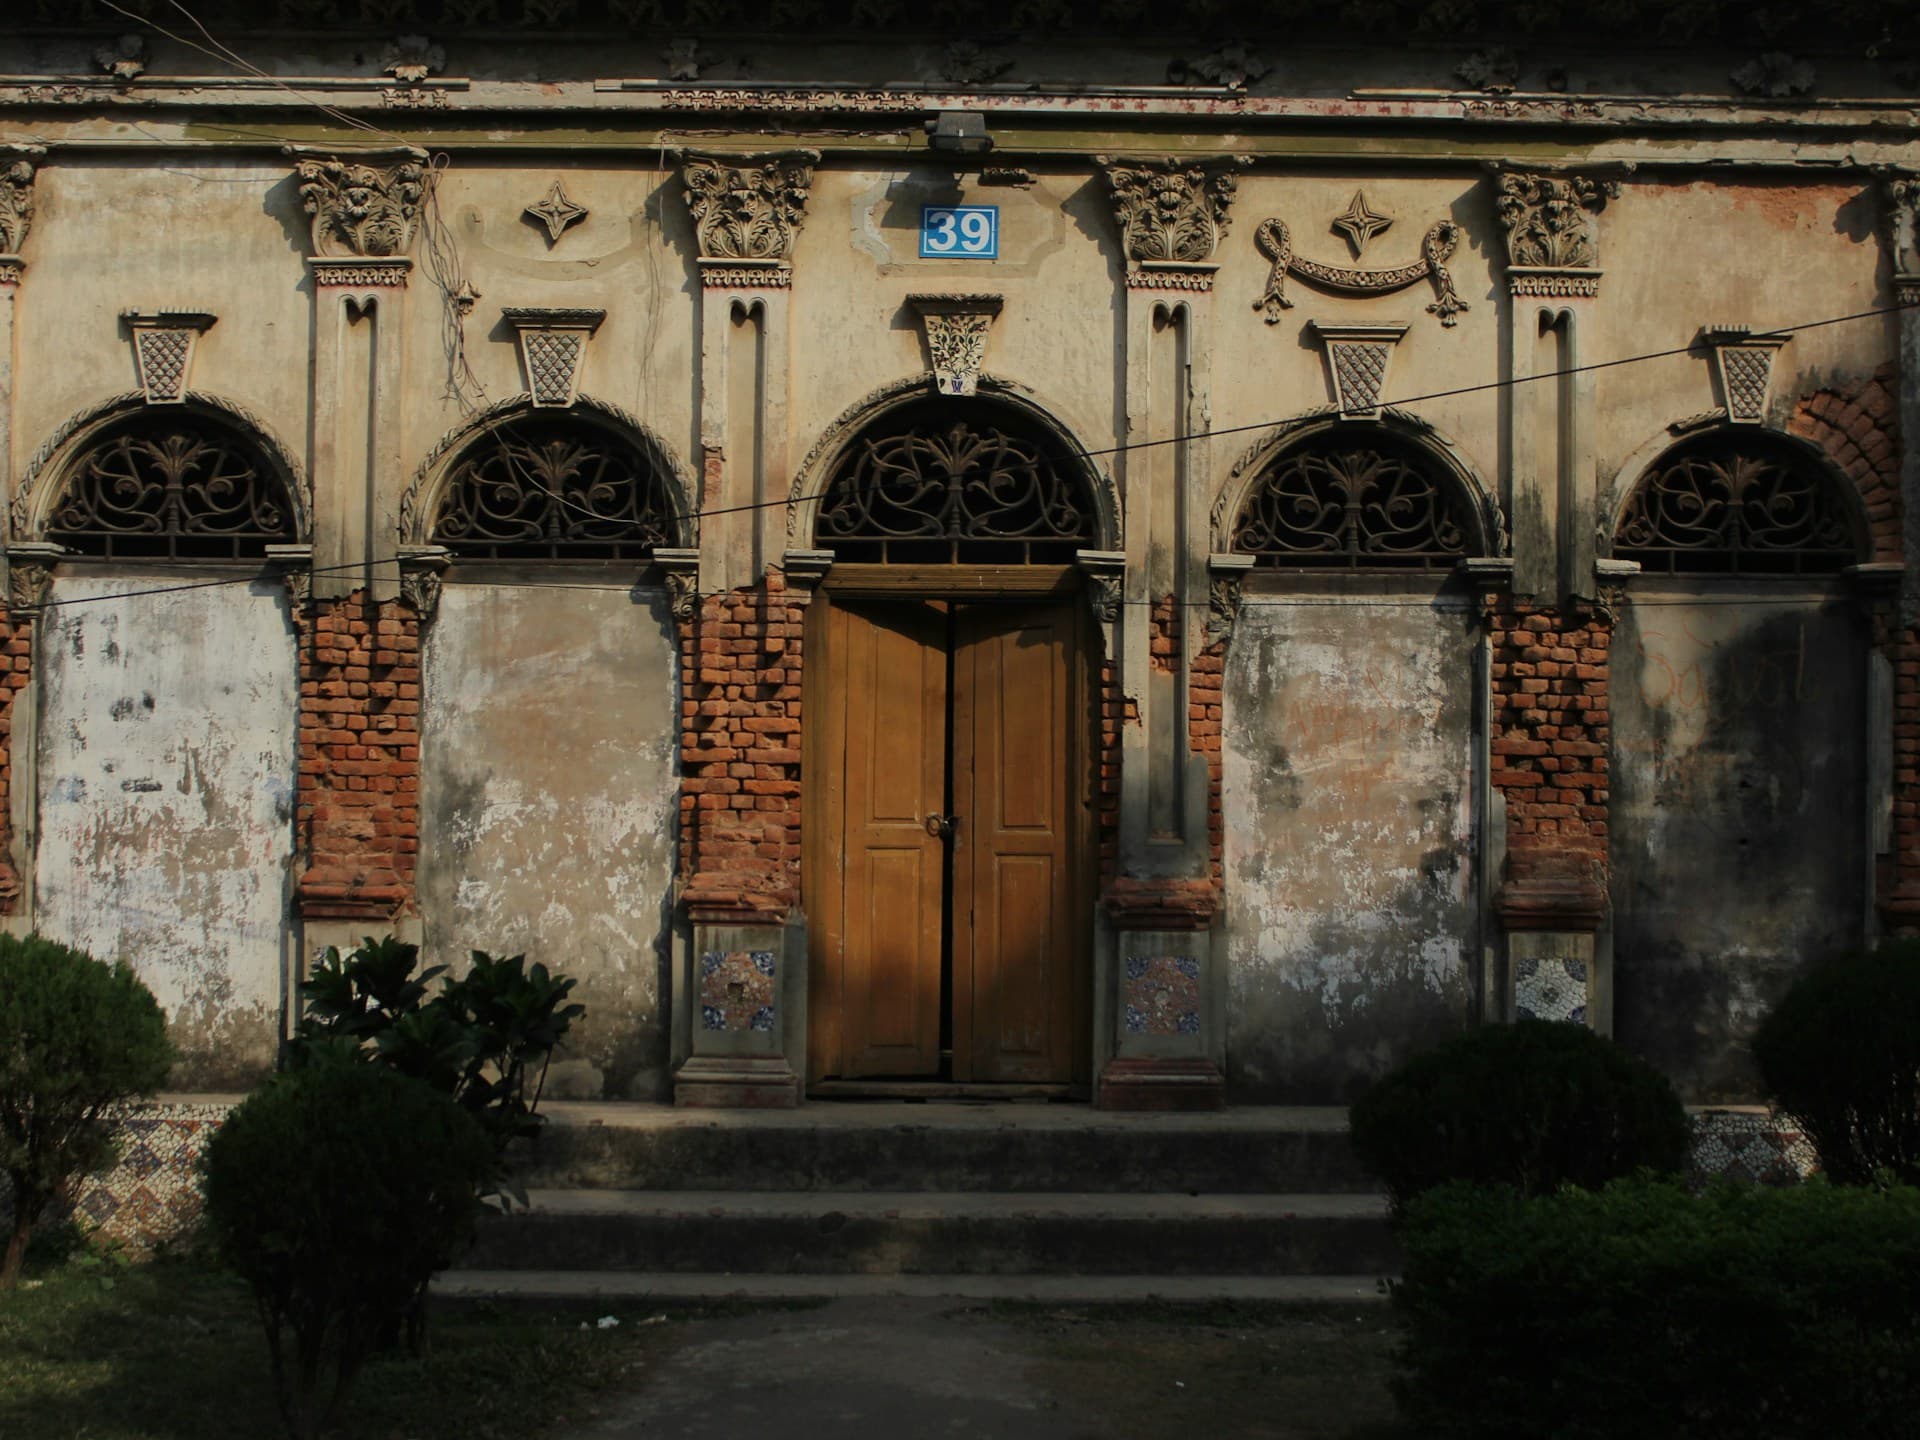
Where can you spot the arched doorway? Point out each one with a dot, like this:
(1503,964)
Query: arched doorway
(949,759)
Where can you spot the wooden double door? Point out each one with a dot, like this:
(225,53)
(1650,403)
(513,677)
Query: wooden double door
(947,842)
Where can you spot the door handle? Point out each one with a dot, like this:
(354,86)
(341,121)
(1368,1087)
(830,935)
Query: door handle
(943,826)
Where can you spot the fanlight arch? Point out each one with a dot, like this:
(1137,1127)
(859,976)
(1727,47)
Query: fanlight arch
(940,480)
(1742,501)
(519,483)
(200,480)
(1360,496)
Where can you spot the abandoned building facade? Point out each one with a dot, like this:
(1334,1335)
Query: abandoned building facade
(1247,577)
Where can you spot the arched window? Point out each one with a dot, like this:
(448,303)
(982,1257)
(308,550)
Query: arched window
(1740,502)
(1356,497)
(173,484)
(556,488)
(944,482)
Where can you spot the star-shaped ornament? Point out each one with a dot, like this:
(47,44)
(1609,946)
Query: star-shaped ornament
(1359,224)
(556,212)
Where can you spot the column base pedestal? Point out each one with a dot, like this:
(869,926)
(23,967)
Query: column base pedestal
(1162,1084)
(736,1082)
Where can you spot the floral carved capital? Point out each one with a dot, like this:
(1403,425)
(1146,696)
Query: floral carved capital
(1548,219)
(361,209)
(748,211)
(16,203)
(1167,210)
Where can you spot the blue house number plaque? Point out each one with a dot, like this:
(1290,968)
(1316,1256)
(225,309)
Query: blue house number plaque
(964,232)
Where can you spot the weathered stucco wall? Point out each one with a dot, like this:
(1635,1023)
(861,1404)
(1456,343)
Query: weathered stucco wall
(1739,797)
(1350,840)
(549,789)
(166,775)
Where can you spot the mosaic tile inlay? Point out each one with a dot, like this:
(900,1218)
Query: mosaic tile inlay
(1550,988)
(736,990)
(1163,995)
(1749,1145)
(151,1196)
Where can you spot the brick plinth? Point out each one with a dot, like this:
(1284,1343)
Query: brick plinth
(359,789)
(1551,730)
(741,654)
(16,666)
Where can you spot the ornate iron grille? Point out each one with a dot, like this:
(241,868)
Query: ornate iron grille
(1726,505)
(1356,500)
(938,490)
(555,490)
(175,487)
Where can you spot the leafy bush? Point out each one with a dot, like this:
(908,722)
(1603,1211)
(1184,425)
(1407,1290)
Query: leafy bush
(1641,1312)
(1534,1105)
(1840,1051)
(486,1039)
(337,1191)
(77,1037)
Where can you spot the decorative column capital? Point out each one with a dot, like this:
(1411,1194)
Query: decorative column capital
(745,211)
(295,564)
(163,346)
(680,569)
(421,570)
(16,208)
(1743,369)
(1357,359)
(1226,588)
(1171,213)
(366,207)
(1105,573)
(553,349)
(1901,194)
(1553,244)
(30,575)
(955,328)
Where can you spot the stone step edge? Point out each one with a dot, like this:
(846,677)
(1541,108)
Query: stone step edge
(947,1205)
(618,1287)
(944,1116)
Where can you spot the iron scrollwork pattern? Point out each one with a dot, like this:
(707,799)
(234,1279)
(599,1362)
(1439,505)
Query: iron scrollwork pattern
(939,490)
(173,489)
(1718,506)
(1353,500)
(554,491)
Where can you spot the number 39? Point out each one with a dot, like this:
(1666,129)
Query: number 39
(964,232)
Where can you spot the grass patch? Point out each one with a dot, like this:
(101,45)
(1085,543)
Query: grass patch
(94,1349)
(1253,1371)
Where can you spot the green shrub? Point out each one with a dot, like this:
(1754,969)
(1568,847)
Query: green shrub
(1642,1312)
(337,1191)
(77,1037)
(1840,1051)
(486,1039)
(1534,1105)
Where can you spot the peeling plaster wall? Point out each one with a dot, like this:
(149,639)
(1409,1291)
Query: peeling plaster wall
(549,786)
(1739,797)
(1350,856)
(166,778)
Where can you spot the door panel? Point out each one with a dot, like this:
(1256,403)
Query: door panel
(889,677)
(1016,946)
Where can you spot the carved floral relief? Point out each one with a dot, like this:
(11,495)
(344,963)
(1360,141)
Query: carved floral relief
(1170,211)
(748,212)
(363,210)
(16,205)
(1549,218)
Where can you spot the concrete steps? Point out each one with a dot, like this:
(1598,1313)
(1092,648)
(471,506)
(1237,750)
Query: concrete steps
(1044,1200)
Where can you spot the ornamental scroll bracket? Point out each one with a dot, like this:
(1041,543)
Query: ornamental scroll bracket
(1743,369)
(955,328)
(746,209)
(30,575)
(365,206)
(1357,360)
(295,564)
(553,350)
(1552,239)
(1171,211)
(164,342)
(422,568)
(680,572)
(1105,573)
(1273,240)
(1226,588)
(16,206)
